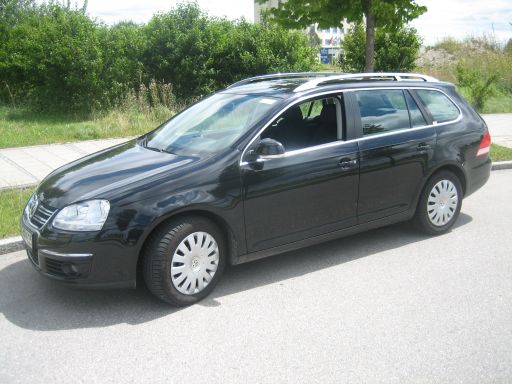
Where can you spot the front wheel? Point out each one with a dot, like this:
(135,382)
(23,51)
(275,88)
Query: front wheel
(439,204)
(184,260)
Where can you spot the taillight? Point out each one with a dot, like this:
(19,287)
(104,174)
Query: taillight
(485,145)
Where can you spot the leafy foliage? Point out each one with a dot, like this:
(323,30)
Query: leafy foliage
(479,86)
(470,63)
(395,50)
(57,58)
(53,56)
(389,14)
(198,54)
(333,13)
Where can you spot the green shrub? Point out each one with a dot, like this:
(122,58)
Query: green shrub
(481,67)
(54,58)
(199,54)
(395,50)
(477,85)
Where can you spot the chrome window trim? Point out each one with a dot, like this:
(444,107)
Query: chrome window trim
(341,142)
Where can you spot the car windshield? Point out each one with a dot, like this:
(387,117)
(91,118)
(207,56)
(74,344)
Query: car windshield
(210,125)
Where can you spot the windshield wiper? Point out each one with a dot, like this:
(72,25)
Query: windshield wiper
(161,150)
(166,151)
(143,141)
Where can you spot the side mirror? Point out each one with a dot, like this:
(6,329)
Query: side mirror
(266,149)
(269,149)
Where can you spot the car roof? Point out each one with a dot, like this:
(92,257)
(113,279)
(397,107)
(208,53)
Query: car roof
(286,85)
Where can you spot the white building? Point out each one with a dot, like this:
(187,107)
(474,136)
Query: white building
(330,39)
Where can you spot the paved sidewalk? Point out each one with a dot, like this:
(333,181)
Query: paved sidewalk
(500,128)
(26,166)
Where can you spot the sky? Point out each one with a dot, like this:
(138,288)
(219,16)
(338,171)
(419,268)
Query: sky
(455,18)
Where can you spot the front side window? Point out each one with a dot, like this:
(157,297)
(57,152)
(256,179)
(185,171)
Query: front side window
(382,110)
(310,123)
(440,106)
(211,125)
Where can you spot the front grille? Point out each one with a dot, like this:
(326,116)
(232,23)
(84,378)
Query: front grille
(33,257)
(41,215)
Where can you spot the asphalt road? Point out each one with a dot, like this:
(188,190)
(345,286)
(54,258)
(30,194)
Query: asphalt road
(387,306)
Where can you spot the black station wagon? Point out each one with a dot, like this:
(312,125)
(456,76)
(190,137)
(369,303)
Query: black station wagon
(268,165)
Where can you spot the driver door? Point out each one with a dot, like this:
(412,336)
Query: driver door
(310,190)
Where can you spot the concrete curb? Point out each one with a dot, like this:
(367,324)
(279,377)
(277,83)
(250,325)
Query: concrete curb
(13,244)
(498,165)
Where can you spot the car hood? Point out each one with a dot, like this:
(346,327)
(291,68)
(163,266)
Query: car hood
(104,173)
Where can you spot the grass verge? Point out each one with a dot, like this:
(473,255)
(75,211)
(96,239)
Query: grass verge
(499,153)
(12,202)
(498,104)
(21,127)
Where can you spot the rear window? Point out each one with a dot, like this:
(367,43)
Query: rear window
(440,106)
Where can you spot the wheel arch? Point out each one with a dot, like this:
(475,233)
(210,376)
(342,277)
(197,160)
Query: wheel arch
(219,221)
(454,168)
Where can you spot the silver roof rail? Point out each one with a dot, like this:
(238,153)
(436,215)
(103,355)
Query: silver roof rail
(282,76)
(395,76)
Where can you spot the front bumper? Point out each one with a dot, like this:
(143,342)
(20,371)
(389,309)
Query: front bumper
(91,260)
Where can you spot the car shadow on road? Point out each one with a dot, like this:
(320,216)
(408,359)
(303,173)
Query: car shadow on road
(33,302)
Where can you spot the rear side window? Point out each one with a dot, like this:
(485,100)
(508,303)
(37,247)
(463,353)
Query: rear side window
(440,106)
(382,110)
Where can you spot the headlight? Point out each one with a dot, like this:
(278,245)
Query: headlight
(31,205)
(86,216)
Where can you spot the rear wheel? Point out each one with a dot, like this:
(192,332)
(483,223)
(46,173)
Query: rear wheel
(184,260)
(439,204)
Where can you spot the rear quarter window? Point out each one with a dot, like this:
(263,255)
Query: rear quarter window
(440,106)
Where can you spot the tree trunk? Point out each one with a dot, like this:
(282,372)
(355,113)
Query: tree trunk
(370,35)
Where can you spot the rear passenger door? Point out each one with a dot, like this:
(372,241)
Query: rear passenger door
(396,147)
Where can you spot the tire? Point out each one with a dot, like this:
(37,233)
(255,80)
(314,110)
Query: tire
(183,260)
(438,215)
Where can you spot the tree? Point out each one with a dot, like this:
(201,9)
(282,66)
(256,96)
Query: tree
(390,14)
(395,50)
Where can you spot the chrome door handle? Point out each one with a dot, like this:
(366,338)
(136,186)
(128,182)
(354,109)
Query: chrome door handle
(423,147)
(347,164)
